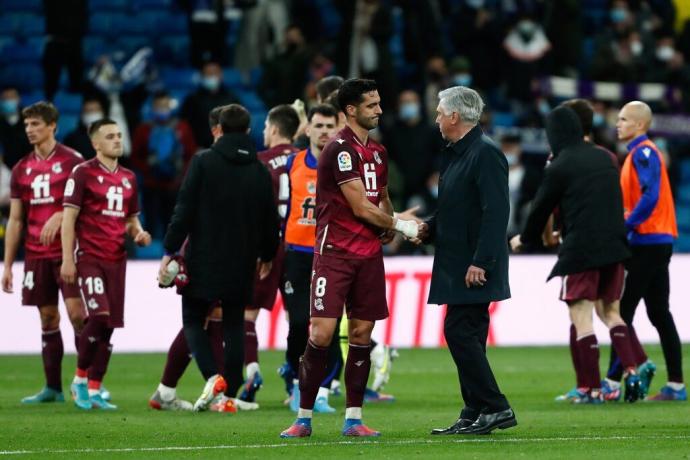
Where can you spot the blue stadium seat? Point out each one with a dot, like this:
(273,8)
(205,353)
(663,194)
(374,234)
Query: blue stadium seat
(251,101)
(29,25)
(233,78)
(683,217)
(108,5)
(128,24)
(101,23)
(257,127)
(685,170)
(682,243)
(95,47)
(173,50)
(66,124)
(23,51)
(683,194)
(179,78)
(506,119)
(152,4)
(7,24)
(68,103)
(25,77)
(31,98)
(24,6)
(129,44)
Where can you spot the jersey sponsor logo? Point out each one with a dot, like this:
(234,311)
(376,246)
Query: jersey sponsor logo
(308,209)
(377,157)
(318,304)
(359,363)
(340,141)
(289,290)
(344,161)
(126,183)
(311,187)
(115,198)
(93,304)
(41,188)
(69,187)
(647,151)
(57,168)
(370,176)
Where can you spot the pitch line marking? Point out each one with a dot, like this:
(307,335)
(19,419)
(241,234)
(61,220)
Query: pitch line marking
(339,443)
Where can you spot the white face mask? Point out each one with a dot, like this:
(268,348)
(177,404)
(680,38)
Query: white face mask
(636,48)
(90,117)
(665,53)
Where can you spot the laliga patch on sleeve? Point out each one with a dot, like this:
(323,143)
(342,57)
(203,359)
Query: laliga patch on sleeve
(69,187)
(344,161)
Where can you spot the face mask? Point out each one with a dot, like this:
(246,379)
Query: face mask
(475,4)
(598,120)
(409,111)
(91,117)
(210,83)
(161,116)
(618,15)
(9,106)
(462,79)
(433,190)
(527,28)
(665,53)
(636,48)
(544,108)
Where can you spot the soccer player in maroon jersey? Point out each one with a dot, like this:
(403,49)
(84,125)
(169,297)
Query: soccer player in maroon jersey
(280,128)
(354,215)
(101,207)
(36,193)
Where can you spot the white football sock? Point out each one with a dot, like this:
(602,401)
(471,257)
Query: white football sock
(167,393)
(252,368)
(353,413)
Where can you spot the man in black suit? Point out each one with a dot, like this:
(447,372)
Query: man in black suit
(471,260)
(226,212)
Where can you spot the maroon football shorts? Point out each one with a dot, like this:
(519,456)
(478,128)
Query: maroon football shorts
(359,285)
(102,286)
(604,283)
(42,282)
(265,290)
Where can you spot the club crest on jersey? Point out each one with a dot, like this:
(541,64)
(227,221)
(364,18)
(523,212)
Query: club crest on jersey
(57,168)
(318,304)
(377,157)
(93,304)
(344,161)
(311,187)
(126,183)
(100,179)
(28,171)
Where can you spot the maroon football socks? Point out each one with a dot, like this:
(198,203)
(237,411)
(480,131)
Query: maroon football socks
(312,370)
(251,344)
(621,342)
(575,355)
(52,351)
(357,373)
(588,349)
(178,359)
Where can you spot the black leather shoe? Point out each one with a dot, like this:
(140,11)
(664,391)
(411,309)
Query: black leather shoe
(455,428)
(486,423)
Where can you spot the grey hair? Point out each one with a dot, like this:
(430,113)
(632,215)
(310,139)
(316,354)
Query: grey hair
(463,100)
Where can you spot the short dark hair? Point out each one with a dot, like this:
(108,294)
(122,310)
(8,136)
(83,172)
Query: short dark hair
(96,125)
(214,115)
(352,90)
(234,118)
(285,118)
(584,111)
(327,110)
(46,111)
(332,100)
(327,85)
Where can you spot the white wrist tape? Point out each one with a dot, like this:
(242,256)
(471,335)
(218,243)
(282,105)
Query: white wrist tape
(409,228)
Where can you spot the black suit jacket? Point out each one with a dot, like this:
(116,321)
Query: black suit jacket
(469,227)
(582,181)
(226,208)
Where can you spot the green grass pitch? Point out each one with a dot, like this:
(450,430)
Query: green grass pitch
(424,382)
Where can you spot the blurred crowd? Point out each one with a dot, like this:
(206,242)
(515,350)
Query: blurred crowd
(413,49)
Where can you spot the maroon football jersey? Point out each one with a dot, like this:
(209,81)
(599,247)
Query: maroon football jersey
(345,159)
(40,183)
(105,200)
(275,160)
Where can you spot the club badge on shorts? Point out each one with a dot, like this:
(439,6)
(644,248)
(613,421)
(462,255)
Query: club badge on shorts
(344,161)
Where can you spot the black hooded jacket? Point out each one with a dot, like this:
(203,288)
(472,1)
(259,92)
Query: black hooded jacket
(583,183)
(226,208)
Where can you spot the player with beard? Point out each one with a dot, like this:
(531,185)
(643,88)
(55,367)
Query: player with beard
(353,209)
(36,192)
(101,207)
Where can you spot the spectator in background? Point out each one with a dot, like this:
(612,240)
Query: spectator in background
(197,105)
(91,110)
(262,28)
(510,146)
(326,86)
(363,45)
(460,71)
(13,142)
(207,30)
(668,65)
(285,75)
(413,144)
(621,50)
(563,25)
(161,150)
(527,48)
(436,80)
(476,32)
(66,24)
